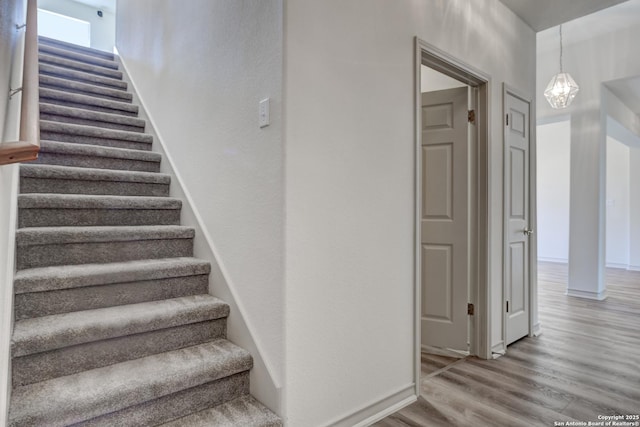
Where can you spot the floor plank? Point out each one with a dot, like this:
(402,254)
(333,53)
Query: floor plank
(586,363)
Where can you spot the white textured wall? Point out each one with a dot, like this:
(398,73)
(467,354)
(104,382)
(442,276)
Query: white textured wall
(553,143)
(103,30)
(553,195)
(591,62)
(11,13)
(634,206)
(350,147)
(617,204)
(201,71)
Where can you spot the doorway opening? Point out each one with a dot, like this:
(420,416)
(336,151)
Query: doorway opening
(64,28)
(451,202)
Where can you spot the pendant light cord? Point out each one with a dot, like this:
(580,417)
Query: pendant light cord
(561,69)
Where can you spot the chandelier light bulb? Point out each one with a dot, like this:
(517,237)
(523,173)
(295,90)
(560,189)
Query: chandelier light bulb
(561,90)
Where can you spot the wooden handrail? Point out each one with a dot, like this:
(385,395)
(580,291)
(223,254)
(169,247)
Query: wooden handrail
(28,146)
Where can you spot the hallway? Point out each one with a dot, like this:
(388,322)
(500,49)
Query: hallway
(584,364)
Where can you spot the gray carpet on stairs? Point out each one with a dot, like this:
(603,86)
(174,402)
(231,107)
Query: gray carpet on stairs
(114,325)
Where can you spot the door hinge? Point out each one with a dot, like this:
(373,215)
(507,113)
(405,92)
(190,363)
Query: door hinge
(470,309)
(472,116)
(507,306)
(507,122)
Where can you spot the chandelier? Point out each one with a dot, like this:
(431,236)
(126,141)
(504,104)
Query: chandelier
(562,88)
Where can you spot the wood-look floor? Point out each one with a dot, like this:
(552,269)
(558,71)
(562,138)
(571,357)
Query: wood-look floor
(586,363)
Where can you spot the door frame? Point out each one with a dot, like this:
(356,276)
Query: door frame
(534,325)
(479,292)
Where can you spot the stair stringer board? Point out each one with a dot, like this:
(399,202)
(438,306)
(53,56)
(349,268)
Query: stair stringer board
(263,384)
(9,184)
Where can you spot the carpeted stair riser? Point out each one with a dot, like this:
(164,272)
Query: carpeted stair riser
(84,89)
(88,217)
(36,304)
(177,405)
(75,398)
(54,290)
(47,210)
(80,66)
(96,157)
(77,276)
(79,134)
(74,180)
(42,255)
(82,77)
(242,411)
(58,97)
(80,186)
(77,56)
(62,114)
(46,41)
(71,360)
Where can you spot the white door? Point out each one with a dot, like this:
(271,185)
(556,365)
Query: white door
(445,219)
(517,227)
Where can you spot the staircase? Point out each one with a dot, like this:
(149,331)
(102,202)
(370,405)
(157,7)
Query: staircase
(113,322)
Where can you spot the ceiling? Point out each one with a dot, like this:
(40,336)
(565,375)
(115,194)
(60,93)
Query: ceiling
(543,14)
(618,17)
(105,5)
(628,91)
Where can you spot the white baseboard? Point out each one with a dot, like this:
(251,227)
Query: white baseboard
(447,352)
(617,265)
(555,260)
(378,410)
(598,296)
(633,267)
(537,329)
(498,349)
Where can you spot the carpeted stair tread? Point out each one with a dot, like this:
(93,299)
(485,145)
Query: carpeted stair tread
(77,100)
(66,73)
(42,40)
(77,56)
(47,333)
(80,66)
(177,405)
(89,394)
(74,276)
(243,411)
(64,235)
(47,365)
(43,178)
(99,151)
(89,174)
(84,88)
(46,210)
(97,156)
(91,135)
(95,116)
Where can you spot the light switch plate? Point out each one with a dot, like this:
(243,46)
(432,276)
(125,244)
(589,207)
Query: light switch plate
(263,113)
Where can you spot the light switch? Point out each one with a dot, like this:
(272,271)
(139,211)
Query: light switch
(263,113)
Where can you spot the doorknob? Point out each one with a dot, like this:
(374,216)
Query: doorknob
(527,231)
